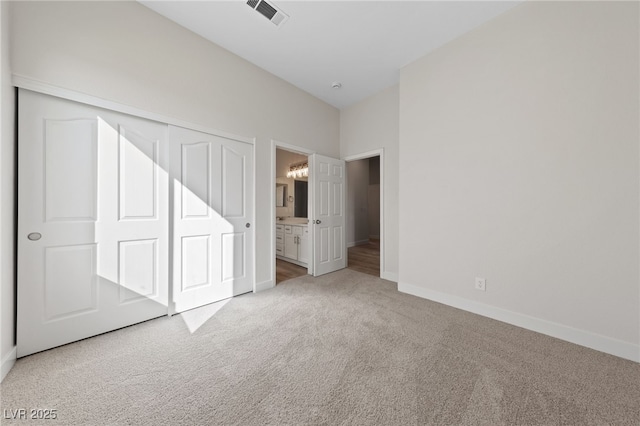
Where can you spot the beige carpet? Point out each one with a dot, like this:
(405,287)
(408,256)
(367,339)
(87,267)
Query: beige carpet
(344,349)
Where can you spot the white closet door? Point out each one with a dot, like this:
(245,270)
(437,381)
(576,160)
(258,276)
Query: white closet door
(329,219)
(212,187)
(93,221)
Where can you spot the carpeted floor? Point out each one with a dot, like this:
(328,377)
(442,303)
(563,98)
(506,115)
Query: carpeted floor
(345,348)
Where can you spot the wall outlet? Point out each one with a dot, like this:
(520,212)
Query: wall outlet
(481,284)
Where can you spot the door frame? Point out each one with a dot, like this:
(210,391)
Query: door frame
(275,144)
(364,156)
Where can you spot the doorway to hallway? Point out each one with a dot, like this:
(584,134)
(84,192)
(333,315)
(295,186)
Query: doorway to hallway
(364,194)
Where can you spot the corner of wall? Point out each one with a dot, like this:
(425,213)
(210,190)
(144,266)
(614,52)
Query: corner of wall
(264,285)
(7,205)
(390,276)
(370,125)
(7,363)
(549,253)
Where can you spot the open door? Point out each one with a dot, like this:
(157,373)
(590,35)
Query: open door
(329,218)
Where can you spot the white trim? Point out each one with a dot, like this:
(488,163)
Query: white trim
(272,217)
(580,337)
(311,217)
(253,219)
(389,276)
(357,243)
(292,148)
(265,285)
(28,83)
(363,156)
(275,144)
(8,362)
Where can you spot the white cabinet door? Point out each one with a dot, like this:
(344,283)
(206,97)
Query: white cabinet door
(280,240)
(212,187)
(290,246)
(93,221)
(328,220)
(303,245)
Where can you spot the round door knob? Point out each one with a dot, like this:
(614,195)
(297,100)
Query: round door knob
(318,222)
(34,236)
(248,225)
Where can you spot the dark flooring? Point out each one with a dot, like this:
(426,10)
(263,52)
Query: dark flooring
(363,258)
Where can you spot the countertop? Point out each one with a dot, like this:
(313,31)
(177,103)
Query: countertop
(300,221)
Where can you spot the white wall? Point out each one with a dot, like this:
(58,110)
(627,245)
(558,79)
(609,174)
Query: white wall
(124,52)
(369,125)
(519,163)
(357,202)
(7,198)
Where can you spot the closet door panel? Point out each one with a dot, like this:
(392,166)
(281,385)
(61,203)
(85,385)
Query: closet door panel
(212,184)
(93,241)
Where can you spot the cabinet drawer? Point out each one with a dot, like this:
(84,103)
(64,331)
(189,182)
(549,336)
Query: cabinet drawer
(280,250)
(297,230)
(288,229)
(279,239)
(279,227)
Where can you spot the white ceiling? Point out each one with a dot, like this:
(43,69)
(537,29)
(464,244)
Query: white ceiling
(361,44)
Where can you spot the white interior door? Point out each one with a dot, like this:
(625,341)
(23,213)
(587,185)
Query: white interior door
(329,219)
(93,221)
(212,186)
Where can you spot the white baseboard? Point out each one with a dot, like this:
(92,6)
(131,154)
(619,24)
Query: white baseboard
(580,337)
(265,285)
(7,363)
(390,276)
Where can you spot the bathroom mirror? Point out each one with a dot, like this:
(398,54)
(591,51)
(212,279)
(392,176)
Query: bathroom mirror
(281,195)
(301,199)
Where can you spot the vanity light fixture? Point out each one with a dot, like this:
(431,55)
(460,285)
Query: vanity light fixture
(298,170)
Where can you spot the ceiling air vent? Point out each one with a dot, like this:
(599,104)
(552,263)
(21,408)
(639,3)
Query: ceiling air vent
(269,11)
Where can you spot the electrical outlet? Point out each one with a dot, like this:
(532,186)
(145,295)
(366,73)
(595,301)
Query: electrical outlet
(481,284)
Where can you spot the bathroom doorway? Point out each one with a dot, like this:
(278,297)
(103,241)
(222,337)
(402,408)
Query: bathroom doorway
(292,234)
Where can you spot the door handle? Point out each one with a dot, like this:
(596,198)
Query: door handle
(318,222)
(34,236)
(248,225)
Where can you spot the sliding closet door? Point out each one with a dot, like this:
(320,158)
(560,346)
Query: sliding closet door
(93,221)
(212,192)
